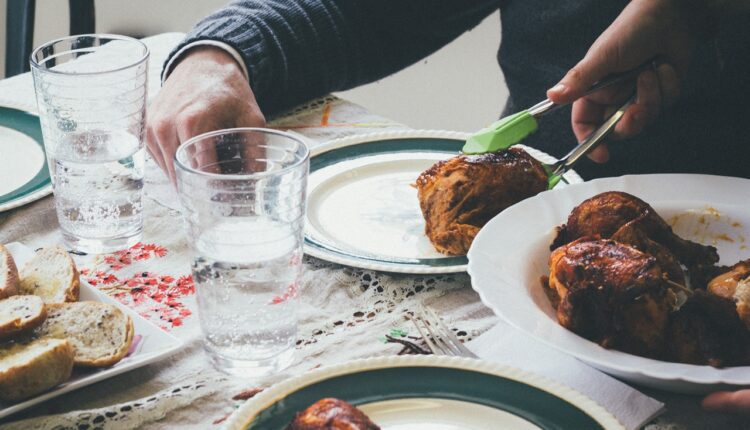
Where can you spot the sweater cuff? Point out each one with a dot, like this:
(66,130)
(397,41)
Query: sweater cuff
(174,58)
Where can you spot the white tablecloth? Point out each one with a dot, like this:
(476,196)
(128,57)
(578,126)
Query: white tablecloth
(345,313)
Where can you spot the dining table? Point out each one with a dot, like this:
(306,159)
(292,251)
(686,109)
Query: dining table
(345,313)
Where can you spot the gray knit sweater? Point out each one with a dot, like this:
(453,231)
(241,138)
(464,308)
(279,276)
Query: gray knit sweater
(296,50)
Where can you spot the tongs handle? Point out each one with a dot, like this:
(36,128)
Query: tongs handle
(591,141)
(548,105)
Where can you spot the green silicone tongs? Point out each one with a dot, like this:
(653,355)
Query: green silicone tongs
(514,128)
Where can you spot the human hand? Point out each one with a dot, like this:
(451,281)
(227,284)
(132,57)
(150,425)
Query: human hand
(206,91)
(645,29)
(737,402)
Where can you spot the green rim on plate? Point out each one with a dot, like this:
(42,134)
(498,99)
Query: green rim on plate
(27,124)
(528,402)
(377,147)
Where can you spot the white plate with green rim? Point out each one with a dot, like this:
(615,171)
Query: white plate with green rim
(363,210)
(429,392)
(24,177)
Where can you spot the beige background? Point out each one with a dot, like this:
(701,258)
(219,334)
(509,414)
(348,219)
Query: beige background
(458,88)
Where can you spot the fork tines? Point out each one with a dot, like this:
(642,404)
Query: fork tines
(439,338)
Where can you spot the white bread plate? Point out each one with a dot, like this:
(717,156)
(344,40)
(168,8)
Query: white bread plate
(154,344)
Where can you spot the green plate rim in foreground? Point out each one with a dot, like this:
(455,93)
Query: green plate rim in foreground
(546,410)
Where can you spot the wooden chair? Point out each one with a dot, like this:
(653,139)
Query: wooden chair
(19,32)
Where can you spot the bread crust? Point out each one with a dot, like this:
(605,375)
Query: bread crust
(121,353)
(20,325)
(77,336)
(46,370)
(10,285)
(34,282)
(73,293)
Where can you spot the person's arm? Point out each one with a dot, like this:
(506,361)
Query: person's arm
(666,29)
(298,50)
(293,51)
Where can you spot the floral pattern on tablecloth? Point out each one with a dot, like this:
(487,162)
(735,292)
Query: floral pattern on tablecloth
(156,297)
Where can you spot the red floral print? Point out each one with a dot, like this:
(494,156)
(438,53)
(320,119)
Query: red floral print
(155,297)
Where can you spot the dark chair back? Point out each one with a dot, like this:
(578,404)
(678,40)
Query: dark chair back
(20,30)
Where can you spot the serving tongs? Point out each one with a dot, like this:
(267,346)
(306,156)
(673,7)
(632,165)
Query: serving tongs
(556,170)
(512,129)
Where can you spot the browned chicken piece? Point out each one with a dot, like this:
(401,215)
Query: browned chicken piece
(458,196)
(605,213)
(631,234)
(612,294)
(707,330)
(331,414)
(734,284)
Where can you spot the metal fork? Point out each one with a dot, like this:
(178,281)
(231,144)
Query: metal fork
(439,338)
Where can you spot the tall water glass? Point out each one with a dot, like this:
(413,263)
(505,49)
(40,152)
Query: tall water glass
(91,95)
(243,197)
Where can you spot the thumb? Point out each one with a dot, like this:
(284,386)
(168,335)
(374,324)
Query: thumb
(579,79)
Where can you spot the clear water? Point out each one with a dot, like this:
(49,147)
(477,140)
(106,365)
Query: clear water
(246,274)
(98,183)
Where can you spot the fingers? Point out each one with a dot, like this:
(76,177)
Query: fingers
(600,154)
(578,80)
(669,84)
(591,111)
(153,147)
(166,136)
(737,402)
(586,117)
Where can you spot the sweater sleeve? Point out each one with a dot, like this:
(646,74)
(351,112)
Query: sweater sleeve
(296,50)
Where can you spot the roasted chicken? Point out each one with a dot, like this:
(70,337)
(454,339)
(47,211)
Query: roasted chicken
(612,294)
(331,414)
(734,284)
(605,213)
(618,272)
(458,196)
(631,234)
(707,330)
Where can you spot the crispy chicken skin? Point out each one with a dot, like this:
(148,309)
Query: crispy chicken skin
(331,414)
(612,294)
(734,284)
(631,234)
(458,196)
(617,268)
(707,330)
(604,214)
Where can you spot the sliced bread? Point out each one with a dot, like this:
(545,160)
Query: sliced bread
(52,275)
(29,368)
(100,333)
(19,314)
(8,274)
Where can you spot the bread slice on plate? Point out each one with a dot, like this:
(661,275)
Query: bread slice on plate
(29,368)
(19,314)
(100,333)
(52,275)
(8,274)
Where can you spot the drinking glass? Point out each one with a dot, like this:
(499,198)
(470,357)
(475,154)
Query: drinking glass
(91,96)
(243,197)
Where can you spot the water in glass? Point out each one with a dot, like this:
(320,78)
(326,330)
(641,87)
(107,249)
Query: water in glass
(246,292)
(98,178)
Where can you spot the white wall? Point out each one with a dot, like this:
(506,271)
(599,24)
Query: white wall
(458,88)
